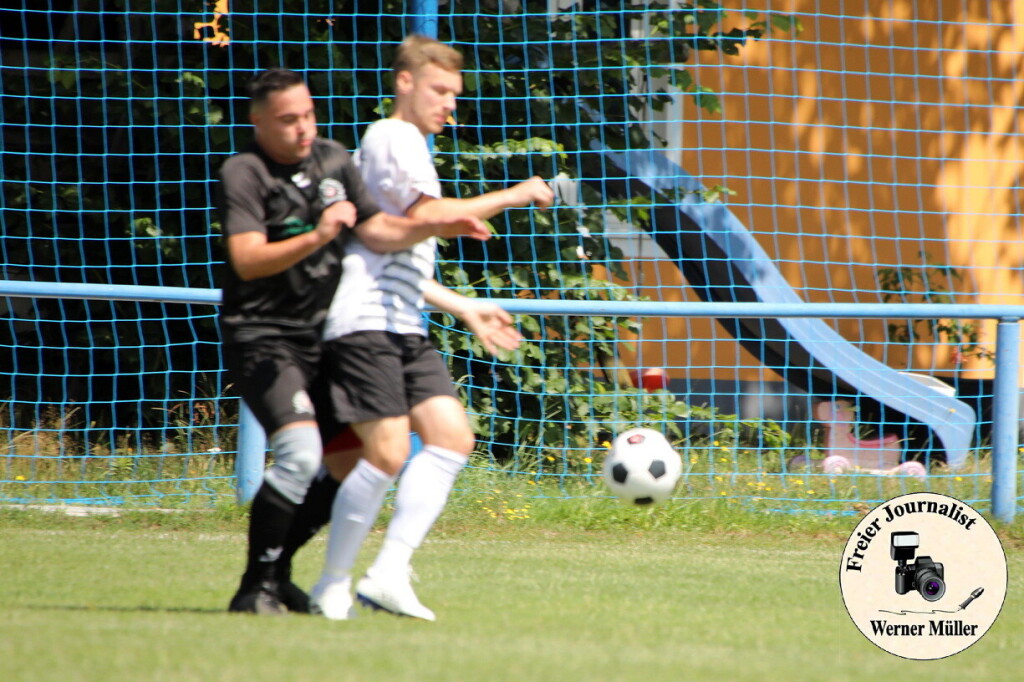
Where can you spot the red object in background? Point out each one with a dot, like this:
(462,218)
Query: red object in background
(651,379)
(346,440)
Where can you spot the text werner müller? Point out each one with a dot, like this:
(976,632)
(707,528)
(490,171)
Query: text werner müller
(935,627)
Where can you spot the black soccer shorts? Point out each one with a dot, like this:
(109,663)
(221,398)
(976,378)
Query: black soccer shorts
(376,374)
(274,375)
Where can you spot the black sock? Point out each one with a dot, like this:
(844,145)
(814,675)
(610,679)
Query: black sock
(269,520)
(313,514)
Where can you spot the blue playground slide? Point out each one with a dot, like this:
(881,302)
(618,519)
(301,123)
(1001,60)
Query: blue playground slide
(723,262)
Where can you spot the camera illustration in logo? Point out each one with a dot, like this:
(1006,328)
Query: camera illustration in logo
(924,575)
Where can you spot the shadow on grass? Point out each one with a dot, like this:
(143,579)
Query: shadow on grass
(135,609)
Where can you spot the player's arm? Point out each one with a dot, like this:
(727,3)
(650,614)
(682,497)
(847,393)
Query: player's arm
(253,257)
(250,253)
(484,206)
(440,217)
(384,233)
(492,325)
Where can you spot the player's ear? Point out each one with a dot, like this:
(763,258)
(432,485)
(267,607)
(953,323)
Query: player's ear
(403,82)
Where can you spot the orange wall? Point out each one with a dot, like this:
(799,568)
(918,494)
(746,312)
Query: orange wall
(854,145)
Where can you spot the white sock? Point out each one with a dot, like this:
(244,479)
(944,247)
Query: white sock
(355,509)
(422,493)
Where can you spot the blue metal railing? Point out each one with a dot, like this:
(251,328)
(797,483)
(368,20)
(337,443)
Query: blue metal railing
(1006,398)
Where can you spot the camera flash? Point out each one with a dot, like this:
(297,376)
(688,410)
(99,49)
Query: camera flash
(905,539)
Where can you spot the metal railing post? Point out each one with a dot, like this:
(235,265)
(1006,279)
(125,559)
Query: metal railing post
(424,17)
(252,444)
(252,453)
(1005,420)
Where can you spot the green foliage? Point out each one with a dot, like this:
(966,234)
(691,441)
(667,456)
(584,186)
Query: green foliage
(557,84)
(114,189)
(931,282)
(539,90)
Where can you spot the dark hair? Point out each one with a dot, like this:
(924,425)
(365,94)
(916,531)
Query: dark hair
(271,80)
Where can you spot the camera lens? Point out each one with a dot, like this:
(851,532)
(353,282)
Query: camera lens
(930,585)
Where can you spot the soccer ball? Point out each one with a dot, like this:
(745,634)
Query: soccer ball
(642,468)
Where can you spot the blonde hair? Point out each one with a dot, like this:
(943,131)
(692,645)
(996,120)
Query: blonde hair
(417,50)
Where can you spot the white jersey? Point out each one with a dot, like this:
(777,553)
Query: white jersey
(384,291)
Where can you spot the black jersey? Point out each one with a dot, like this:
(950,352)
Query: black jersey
(258,194)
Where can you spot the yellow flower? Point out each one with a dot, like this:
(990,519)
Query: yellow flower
(587,460)
(19,477)
(607,445)
(810,492)
(958,479)
(798,482)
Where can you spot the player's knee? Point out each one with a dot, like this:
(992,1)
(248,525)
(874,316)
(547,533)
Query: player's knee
(466,443)
(389,459)
(297,456)
(396,457)
(385,443)
(442,421)
(391,466)
(461,441)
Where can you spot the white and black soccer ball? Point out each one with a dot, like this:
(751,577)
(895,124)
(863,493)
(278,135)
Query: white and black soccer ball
(642,467)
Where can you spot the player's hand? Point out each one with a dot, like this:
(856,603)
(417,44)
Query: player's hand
(534,191)
(463,226)
(492,325)
(334,218)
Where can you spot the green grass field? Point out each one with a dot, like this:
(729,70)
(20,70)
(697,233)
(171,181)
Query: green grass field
(544,589)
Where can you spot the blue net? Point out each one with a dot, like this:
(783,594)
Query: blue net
(700,153)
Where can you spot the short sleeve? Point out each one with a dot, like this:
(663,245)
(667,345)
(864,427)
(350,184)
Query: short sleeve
(241,202)
(411,155)
(397,165)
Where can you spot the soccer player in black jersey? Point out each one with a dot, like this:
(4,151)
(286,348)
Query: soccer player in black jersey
(286,206)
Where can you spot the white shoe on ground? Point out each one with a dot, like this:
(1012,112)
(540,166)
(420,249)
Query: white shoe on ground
(392,592)
(334,599)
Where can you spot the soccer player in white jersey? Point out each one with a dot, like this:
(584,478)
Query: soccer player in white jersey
(387,379)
